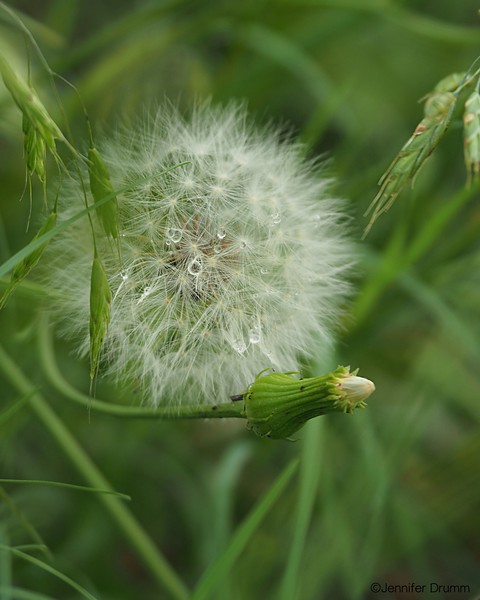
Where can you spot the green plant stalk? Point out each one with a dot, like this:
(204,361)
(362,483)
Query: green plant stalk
(275,405)
(153,559)
(56,379)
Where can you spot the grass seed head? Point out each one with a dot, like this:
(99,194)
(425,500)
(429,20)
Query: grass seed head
(406,165)
(24,267)
(101,187)
(100,299)
(471,135)
(39,128)
(35,151)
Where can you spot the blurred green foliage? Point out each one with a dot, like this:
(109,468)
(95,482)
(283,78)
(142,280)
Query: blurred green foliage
(390,494)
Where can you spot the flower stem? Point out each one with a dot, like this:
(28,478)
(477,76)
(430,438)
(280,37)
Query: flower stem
(198,411)
(153,559)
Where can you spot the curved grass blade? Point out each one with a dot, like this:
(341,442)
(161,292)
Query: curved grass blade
(25,523)
(13,409)
(16,593)
(46,567)
(71,486)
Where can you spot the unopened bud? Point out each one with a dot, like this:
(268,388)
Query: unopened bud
(278,404)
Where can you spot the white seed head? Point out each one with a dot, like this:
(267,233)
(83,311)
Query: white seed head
(231,263)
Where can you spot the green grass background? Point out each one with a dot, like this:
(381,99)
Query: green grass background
(390,494)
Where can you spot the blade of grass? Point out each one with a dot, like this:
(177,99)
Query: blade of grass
(224,482)
(308,485)
(25,523)
(115,30)
(22,594)
(5,565)
(70,486)
(284,52)
(436,224)
(435,305)
(13,409)
(46,567)
(153,559)
(219,569)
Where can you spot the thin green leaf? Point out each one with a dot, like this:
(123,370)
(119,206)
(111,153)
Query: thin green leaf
(291,56)
(5,565)
(24,522)
(22,594)
(71,486)
(220,568)
(46,567)
(309,478)
(12,410)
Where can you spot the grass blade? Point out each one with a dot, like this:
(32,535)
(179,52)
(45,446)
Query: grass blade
(46,567)
(71,486)
(309,478)
(219,569)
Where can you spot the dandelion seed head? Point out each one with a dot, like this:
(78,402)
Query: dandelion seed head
(232,262)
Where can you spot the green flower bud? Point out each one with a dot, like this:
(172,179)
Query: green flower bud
(278,404)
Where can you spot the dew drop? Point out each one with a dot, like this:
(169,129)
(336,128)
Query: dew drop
(146,292)
(195,266)
(221,234)
(276,218)
(264,271)
(174,234)
(243,245)
(217,248)
(239,346)
(254,335)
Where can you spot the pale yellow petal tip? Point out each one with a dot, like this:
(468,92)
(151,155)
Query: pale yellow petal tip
(357,389)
